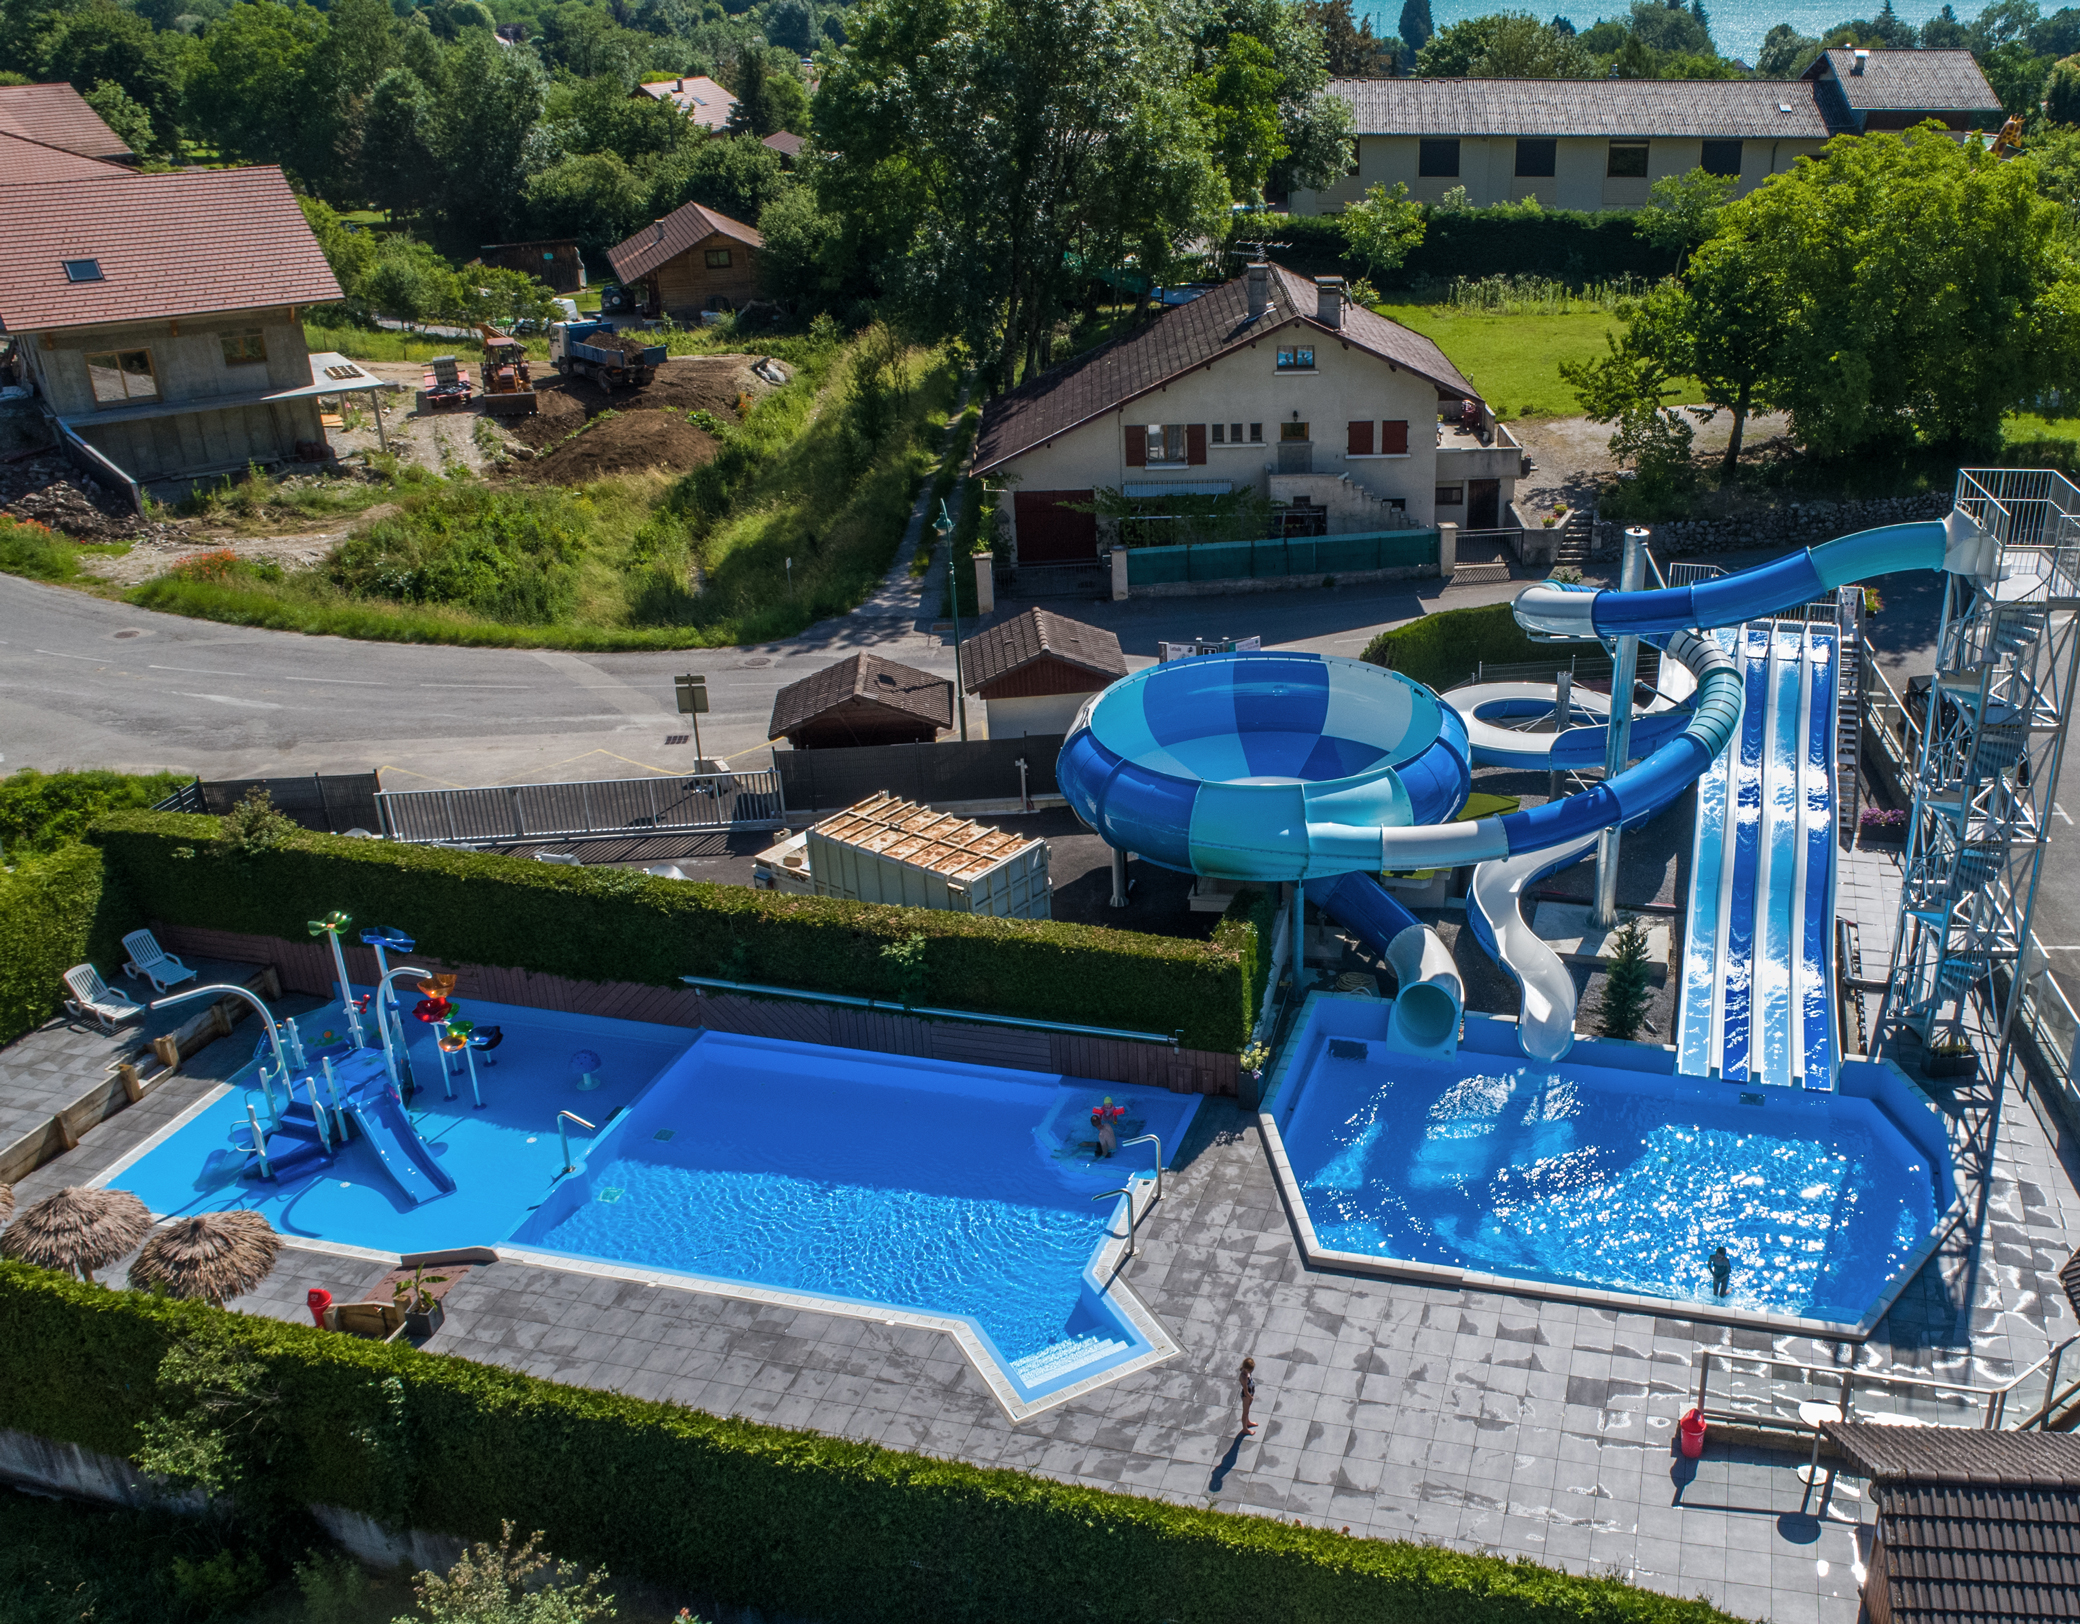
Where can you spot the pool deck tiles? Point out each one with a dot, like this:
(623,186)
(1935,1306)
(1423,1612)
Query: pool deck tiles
(1474,1419)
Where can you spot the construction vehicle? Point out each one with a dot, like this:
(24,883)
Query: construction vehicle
(592,350)
(508,385)
(444,385)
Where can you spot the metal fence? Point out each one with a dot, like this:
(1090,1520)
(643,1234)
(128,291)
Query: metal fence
(601,809)
(979,770)
(1292,555)
(331,803)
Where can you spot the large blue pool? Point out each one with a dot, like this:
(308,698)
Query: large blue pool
(1606,1172)
(963,1192)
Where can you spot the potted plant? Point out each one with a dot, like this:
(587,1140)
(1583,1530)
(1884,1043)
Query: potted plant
(1886,825)
(1949,1057)
(423,1314)
(1872,603)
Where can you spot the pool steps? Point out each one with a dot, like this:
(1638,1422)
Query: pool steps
(294,1145)
(1059,1357)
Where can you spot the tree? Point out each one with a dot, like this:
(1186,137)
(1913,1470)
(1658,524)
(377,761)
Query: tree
(408,282)
(1239,103)
(131,122)
(488,136)
(1943,32)
(1628,983)
(1670,30)
(801,264)
(349,253)
(398,170)
(2062,92)
(1524,48)
(1785,53)
(738,175)
(1384,228)
(1350,48)
(1416,27)
(596,198)
(790,24)
(503,297)
(753,114)
(1683,210)
(496,1584)
(251,89)
(98,42)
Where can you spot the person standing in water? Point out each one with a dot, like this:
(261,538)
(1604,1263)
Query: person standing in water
(1249,1393)
(1722,1271)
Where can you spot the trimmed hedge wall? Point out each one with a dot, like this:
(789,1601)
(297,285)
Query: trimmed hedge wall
(603,924)
(55,912)
(1444,649)
(788,1522)
(1569,244)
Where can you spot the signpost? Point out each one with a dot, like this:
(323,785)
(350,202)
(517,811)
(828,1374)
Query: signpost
(693,702)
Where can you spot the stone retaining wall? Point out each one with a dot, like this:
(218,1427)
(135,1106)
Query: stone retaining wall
(1801,524)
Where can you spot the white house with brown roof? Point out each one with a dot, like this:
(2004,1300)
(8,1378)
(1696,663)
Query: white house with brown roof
(1344,421)
(700,98)
(1602,143)
(1034,672)
(158,317)
(694,259)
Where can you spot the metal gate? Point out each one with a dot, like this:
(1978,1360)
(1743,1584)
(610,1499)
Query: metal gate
(598,809)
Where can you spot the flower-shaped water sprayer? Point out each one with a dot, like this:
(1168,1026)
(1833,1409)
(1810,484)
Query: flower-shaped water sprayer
(330,927)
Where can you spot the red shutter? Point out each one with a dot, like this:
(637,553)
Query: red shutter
(1194,443)
(1360,442)
(1393,439)
(1137,446)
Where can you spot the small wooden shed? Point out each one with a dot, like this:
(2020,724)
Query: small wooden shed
(554,260)
(692,260)
(863,699)
(1034,671)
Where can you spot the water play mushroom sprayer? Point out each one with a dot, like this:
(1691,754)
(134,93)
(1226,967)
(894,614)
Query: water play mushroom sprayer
(330,927)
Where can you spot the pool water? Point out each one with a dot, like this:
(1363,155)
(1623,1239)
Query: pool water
(1615,1179)
(955,1190)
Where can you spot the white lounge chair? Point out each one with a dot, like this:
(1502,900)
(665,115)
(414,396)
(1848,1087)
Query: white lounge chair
(151,961)
(92,1000)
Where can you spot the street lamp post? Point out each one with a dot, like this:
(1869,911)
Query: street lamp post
(943,528)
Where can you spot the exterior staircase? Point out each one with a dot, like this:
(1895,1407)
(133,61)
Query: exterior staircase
(1850,656)
(1577,536)
(1059,1358)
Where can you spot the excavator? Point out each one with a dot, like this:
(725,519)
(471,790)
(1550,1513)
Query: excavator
(508,385)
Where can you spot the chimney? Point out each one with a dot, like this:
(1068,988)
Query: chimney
(1259,289)
(1328,300)
(1862,61)
(660,232)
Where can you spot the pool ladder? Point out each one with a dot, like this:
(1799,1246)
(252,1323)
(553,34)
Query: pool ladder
(1128,1192)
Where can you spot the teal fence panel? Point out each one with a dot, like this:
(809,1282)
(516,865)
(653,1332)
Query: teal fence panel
(1276,557)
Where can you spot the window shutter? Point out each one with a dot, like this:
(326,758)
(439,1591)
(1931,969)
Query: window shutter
(1393,438)
(1137,446)
(1360,441)
(1194,444)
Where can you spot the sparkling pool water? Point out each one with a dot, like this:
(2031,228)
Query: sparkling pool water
(1617,1180)
(956,1190)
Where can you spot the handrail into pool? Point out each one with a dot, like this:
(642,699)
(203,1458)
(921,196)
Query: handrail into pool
(1129,1194)
(564,1134)
(1149,1139)
(889,1006)
(1851,1381)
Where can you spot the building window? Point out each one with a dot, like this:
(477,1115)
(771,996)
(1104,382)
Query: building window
(1220,434)
(1256,434)
(1292,431)
(1438,159)
(1166,443)
(1722,158)
(1628,160)
(1393,438)
(718,258)
(1535,159)
(1358,438)
(244,347)
(1451,496)
(119,376)
(1296,360)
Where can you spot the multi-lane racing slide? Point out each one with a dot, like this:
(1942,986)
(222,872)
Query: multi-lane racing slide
(1281,766)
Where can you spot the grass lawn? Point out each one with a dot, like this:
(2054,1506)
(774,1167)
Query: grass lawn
(2041,442)
(1514,361)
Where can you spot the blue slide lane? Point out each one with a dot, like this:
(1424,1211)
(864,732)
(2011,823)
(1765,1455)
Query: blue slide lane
(1701,935)
(1737,969)
(1814,990)
(1774,948)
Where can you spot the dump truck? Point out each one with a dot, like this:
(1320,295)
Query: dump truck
(508,384)
(592,349)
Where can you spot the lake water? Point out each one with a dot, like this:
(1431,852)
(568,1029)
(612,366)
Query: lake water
(1737,25)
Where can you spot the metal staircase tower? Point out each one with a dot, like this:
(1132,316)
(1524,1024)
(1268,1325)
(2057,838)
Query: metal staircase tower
(1991,743)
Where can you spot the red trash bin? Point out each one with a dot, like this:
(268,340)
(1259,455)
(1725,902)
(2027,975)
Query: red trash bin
(317,1300)
(1691,1433)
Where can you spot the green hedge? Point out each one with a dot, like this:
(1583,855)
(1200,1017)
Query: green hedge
(1568,244)
(55,912)
(605,924)
(789,1522)
(1445,649)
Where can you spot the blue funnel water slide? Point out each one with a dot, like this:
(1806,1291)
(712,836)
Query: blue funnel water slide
(1286,766)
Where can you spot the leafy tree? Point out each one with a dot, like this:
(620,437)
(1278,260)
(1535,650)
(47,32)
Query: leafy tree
(1239,103)
(753,114)
(736,174)
(398,170)
(596,198)
(1351,49)
(1628,983)
(802,264)
(599,115)
(2058,35)
(790,24)
(1943,32)
(1633,59)
(101,41)
(2062,92)
(408,282)
(349,253)
(1416,27)
(497,1584)
(503,297)
(1785,53)
(488,136)
(1384,227)
(131,122)
(1524,48)
(250,91)
(2055,155)
(2016,74)
(1683,210)
(1451,52)
(1670,29)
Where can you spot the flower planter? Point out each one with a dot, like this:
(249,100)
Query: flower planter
(419,1326)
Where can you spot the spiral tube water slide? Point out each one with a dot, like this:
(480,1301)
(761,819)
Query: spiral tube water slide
(1300,767)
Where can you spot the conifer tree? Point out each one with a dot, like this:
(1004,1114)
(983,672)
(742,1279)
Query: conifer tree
(1627,986)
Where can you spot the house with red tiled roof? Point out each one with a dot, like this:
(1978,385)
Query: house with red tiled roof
(58,116)
(23,160)
(159,317)
(692,260)
(1271,387)
(700,98)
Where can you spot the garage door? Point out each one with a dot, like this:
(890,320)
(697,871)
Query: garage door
(1050,533)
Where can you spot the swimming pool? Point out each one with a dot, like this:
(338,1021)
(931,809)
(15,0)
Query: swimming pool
(968,1195)
(1606,1175)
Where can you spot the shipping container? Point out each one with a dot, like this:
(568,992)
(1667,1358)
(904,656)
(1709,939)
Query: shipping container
(889,850)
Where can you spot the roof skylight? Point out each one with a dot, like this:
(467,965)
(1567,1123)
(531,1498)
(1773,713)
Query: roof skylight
(83,270)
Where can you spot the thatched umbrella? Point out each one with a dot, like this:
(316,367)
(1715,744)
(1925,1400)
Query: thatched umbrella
(213,1255)
(77,1229)
(6,1202)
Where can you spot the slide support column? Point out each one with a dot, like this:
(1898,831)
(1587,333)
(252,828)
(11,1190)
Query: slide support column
(1119,876)
(1619,742)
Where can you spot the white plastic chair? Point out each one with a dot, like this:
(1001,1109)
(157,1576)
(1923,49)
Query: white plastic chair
(92,1000)
(151,961)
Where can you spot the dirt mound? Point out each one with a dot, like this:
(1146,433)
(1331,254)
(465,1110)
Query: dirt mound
(558,413)
(626,443)
(691,383)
